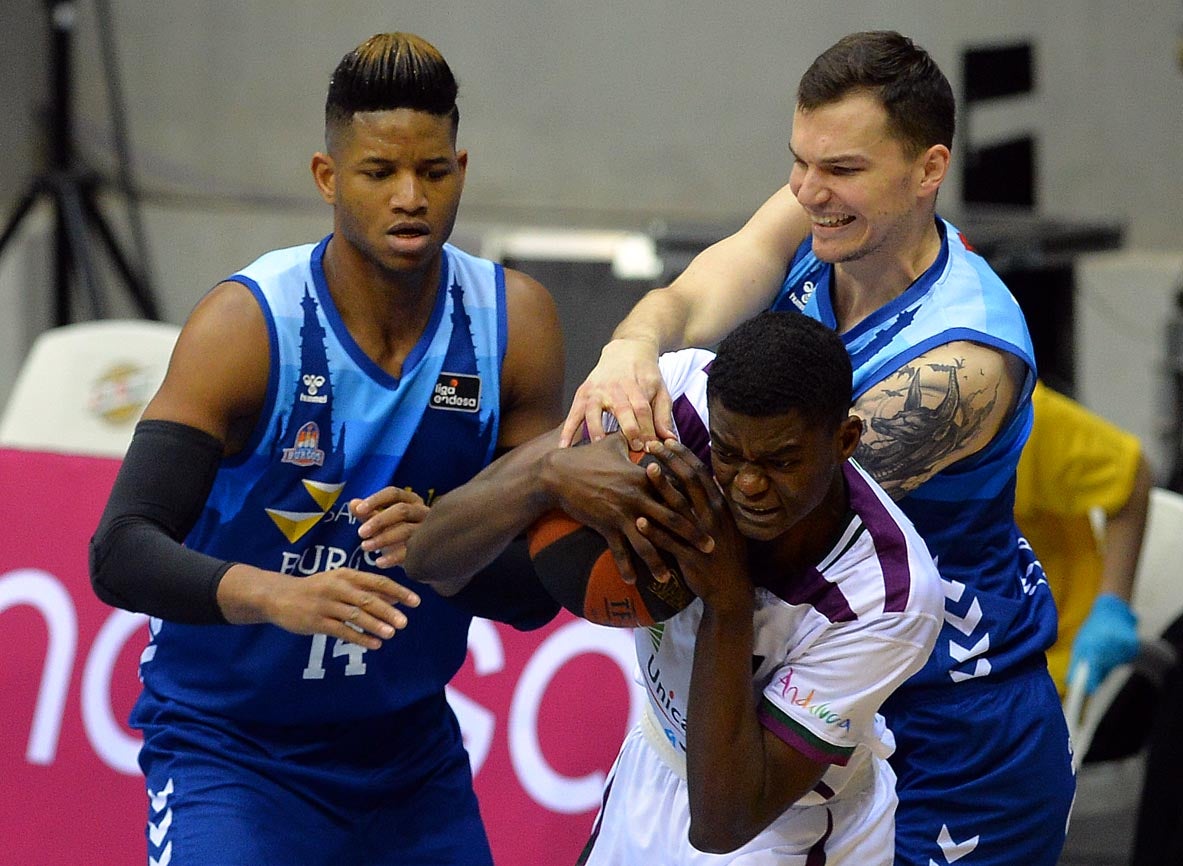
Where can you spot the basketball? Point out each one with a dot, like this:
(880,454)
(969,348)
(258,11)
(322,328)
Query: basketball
(576,567)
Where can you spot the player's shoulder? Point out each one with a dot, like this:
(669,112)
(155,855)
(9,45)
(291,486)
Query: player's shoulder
(968,272)
(229,308)
(530,306)
(522,288)
(278,262)
(968,357)
(522,291)
(881,561)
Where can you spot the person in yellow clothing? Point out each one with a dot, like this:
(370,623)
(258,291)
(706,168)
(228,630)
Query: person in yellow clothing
(1078,467)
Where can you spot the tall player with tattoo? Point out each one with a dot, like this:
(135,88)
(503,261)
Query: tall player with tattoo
(316,403)
(943,369)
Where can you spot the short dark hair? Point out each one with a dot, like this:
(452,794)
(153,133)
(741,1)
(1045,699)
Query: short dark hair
(899,73)
(388,71)
(781,361)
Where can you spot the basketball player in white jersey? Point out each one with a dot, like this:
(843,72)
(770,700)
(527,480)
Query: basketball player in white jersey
(761,740)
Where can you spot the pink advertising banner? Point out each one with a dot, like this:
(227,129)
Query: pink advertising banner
(542,712)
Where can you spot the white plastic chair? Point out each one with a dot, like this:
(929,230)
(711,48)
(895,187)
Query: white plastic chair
(1108,793)
(83,387)
(1157,601)
(1158,585)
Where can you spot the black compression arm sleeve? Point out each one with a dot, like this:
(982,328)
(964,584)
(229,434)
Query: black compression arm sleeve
(137,561)
(507,590)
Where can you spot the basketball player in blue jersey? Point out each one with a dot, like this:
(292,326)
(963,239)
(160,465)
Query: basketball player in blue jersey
(316,403)
(943,376)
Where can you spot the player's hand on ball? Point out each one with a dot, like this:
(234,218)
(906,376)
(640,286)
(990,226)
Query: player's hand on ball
(388,519)
(577,568)
(718,575)
(627,383)
(597,485)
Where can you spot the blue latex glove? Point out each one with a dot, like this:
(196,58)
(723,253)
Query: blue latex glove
(1105,640)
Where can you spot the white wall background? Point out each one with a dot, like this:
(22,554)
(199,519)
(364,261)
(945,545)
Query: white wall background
(605,113)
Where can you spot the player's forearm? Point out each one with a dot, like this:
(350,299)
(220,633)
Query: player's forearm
(658,320)
(725,756)
(1123,536)
(725,284)
(245,593)
(137,559)
(468,527)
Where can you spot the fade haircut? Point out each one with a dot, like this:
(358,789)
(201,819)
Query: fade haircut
(779,362)
(895,70)
(389,71)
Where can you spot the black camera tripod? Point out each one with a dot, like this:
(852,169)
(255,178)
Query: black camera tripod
(72,189)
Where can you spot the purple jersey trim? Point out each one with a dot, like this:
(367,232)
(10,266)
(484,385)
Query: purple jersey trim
(800,737)
(824,791)
(691,431)
(817,853)
(890,546)
(809,586)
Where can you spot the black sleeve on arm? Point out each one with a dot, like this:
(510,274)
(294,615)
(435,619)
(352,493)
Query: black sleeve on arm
(137,560)
(507,590)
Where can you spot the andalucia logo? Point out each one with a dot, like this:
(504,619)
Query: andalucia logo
(293,524)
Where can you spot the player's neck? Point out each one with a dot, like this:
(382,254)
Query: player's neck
(385,313)
(864,285)
(807,543)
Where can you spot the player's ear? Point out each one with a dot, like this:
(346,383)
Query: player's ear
(324,173)
(934,165)
(462,165)
(849,433)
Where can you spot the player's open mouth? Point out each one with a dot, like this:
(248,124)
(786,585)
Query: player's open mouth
(832,222)
(409,231)
(409,239)
(754,513)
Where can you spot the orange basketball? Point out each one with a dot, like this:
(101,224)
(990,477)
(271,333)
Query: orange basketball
(576,567)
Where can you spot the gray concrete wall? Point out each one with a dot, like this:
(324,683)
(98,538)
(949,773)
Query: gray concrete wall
(606,114)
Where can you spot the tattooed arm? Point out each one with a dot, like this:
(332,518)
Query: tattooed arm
(942,407)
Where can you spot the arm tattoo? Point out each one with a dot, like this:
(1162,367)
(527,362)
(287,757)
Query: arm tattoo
(910,440)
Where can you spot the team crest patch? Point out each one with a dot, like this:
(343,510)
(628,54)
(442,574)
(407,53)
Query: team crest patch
(456,392)
(306,451)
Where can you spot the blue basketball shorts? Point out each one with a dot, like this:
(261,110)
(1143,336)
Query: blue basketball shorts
(393,790)
(984,772)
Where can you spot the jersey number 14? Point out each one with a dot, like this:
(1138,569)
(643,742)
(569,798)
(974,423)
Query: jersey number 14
(315,669)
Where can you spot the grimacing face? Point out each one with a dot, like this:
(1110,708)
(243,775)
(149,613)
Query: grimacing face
(860,186)
(775,471)
(394,179)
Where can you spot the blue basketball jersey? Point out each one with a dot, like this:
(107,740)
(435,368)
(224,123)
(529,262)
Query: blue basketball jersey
(334,427)
(999,612)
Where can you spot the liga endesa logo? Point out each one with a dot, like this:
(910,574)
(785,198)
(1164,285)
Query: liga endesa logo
(456,392)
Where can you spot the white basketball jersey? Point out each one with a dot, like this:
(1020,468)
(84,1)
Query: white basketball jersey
(831,642)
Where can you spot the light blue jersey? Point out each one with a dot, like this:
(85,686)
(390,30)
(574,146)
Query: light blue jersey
(262,746)
(982,759)
(999,609)
(334,427)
